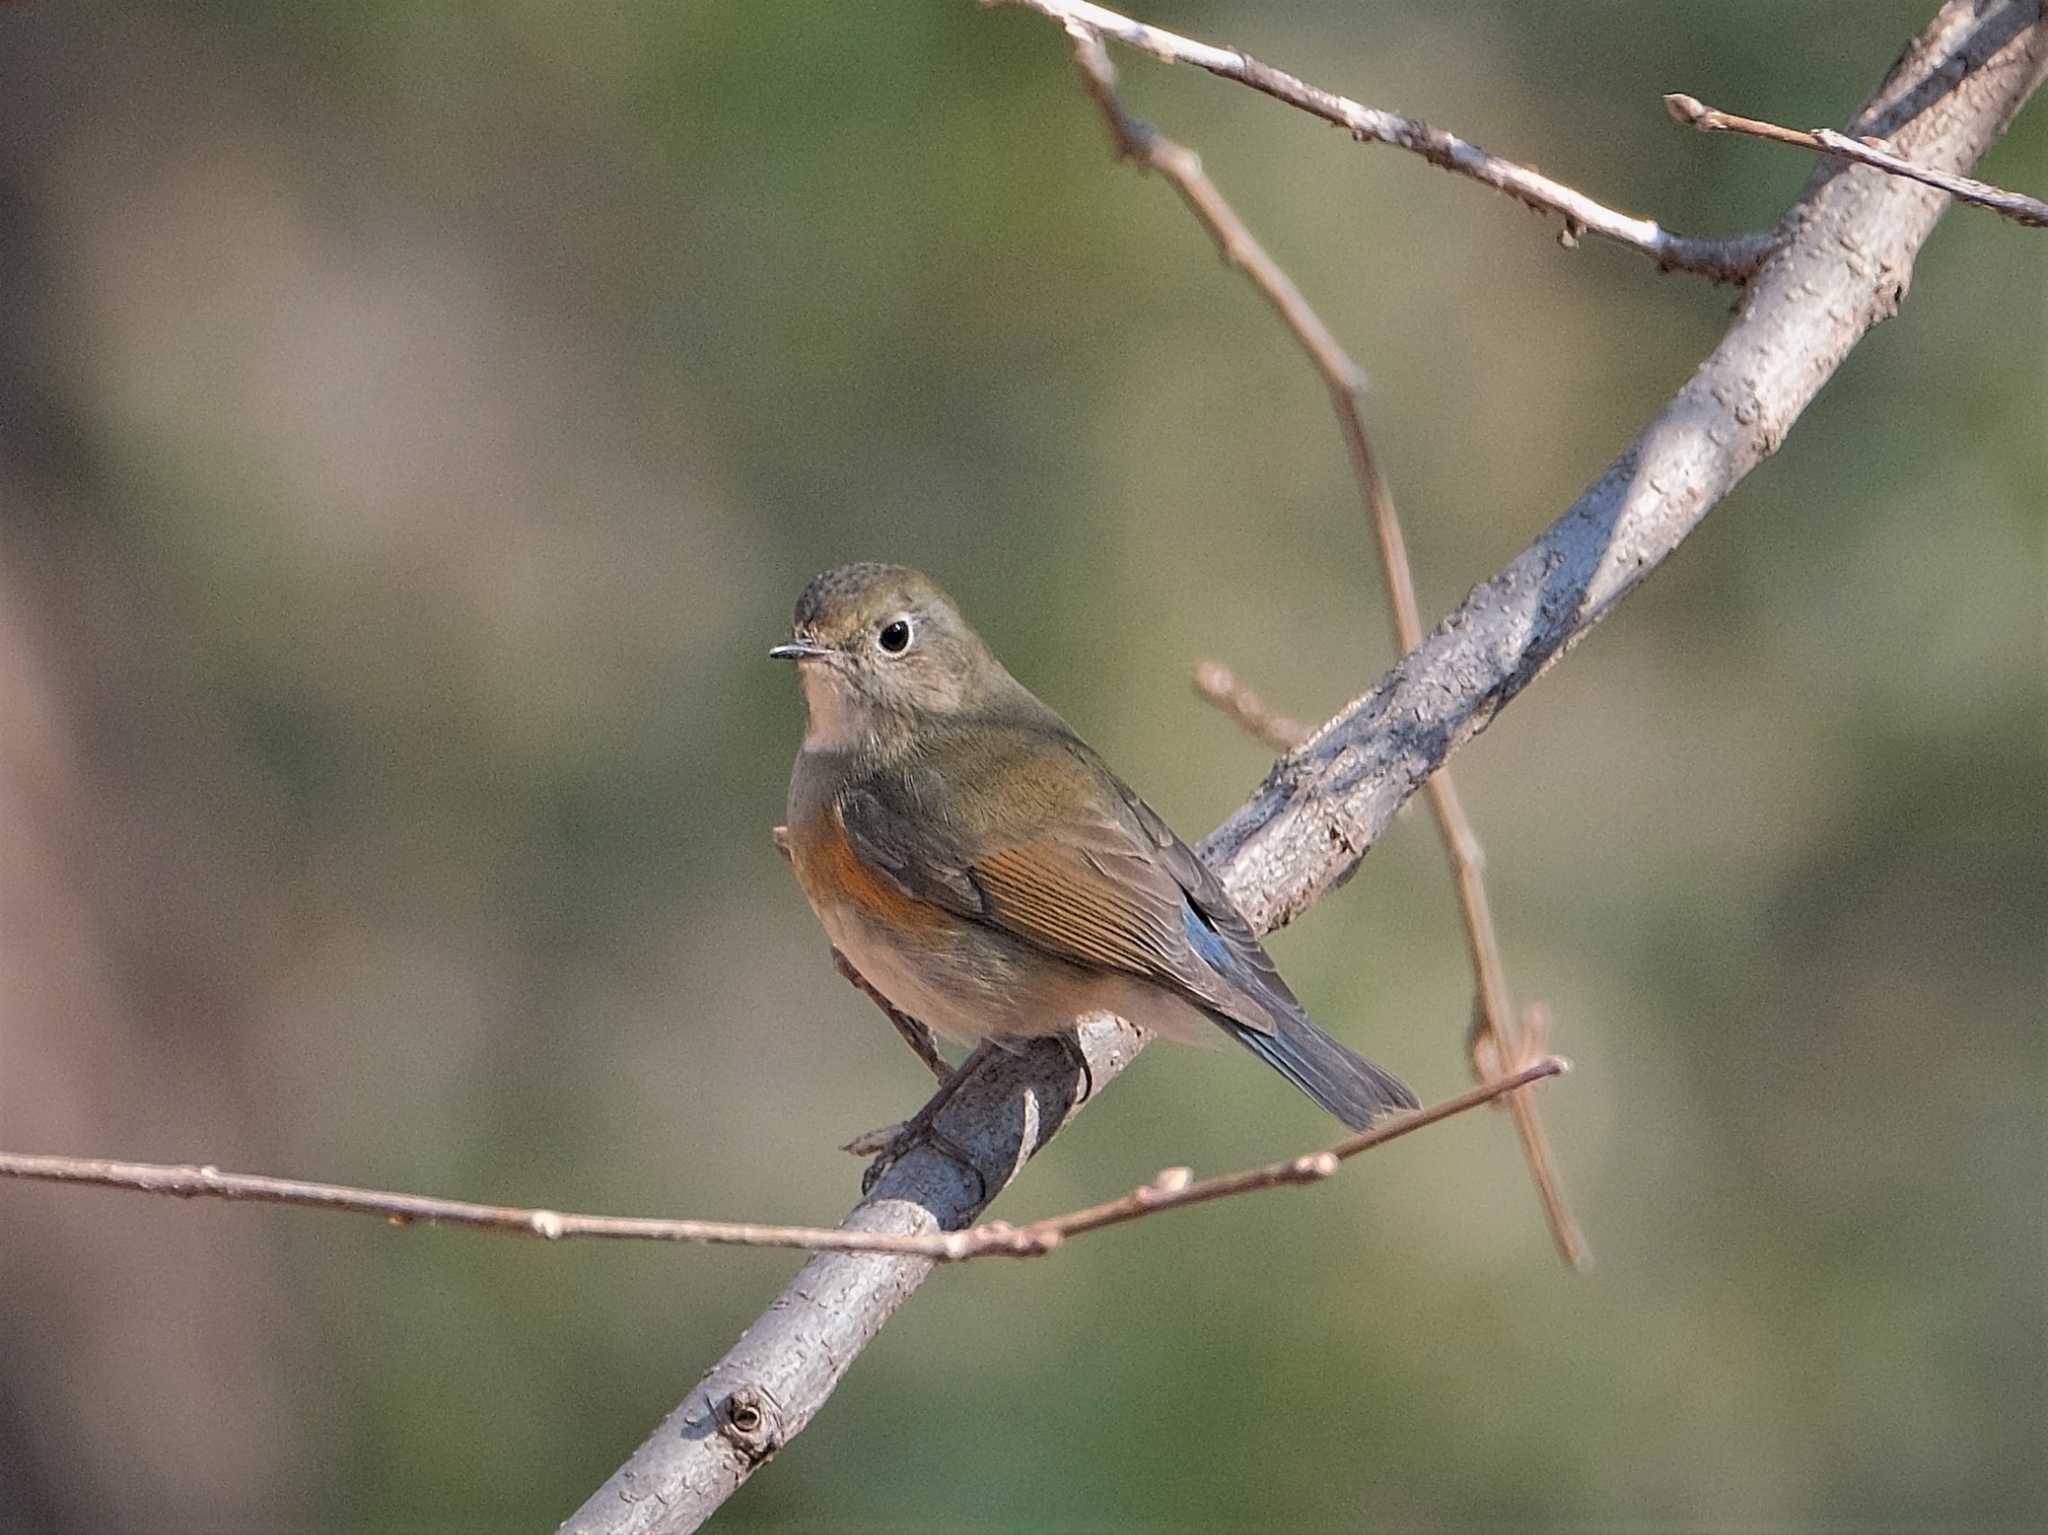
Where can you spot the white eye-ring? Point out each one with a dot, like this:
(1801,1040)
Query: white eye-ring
(895,636)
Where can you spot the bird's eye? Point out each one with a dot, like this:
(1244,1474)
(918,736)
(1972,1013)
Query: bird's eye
(895,636)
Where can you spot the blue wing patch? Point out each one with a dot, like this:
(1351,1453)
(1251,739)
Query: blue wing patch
(1205,941)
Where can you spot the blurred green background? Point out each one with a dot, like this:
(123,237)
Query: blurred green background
(415,422)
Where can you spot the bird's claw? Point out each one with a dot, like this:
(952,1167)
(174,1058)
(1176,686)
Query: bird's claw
(892,1144)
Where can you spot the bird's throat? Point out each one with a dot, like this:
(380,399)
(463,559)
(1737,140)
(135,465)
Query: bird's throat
(839,719)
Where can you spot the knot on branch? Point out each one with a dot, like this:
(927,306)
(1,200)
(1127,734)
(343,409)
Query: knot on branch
(751,1420)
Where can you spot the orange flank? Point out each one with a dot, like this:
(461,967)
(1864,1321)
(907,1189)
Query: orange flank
(834,873)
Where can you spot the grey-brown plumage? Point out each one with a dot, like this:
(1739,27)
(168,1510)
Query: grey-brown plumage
(989,874)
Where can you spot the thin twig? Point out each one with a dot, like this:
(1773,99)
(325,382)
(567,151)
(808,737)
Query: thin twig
(1220,685)
(1345,381)
(2017,206)
(194,1182)
(1173,1190)
(1731,260)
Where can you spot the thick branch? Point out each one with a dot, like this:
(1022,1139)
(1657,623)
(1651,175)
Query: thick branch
(1722,260)
(1844,265)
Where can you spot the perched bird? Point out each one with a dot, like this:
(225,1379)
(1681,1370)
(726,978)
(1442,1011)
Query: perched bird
(984,870)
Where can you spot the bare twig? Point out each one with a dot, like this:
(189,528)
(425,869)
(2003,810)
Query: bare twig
(196,1182)
(1949,97)
(2017,206)
(1172,1191)
(1731,260)
(1220,685)
(1141,143)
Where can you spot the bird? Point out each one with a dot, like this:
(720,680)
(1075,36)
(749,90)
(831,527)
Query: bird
(983,869)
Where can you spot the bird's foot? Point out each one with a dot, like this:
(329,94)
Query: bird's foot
(890,1145)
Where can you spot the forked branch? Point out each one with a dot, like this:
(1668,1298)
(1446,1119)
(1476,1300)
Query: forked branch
(2017,206)
(1731,260)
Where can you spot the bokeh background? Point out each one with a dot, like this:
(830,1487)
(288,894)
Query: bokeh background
(415,422)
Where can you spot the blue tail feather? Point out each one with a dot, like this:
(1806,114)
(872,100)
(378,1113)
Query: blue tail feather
(1342,1082)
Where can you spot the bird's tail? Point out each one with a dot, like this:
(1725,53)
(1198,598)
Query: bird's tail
(1341,1081)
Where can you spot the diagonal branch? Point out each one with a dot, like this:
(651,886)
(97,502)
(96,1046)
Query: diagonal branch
(2017,206)
(1172,1190)
(1844,265)
(1729,261)
(1497,1042)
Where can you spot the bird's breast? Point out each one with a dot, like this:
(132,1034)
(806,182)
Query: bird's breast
(924,959)
(834,877)
(966,979)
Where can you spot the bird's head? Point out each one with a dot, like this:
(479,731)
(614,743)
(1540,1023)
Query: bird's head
(879,649)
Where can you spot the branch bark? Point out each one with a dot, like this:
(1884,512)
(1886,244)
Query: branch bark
(1844,264)
(1730,260)
(2017,206)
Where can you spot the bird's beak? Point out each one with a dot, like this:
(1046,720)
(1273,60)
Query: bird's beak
(798,650)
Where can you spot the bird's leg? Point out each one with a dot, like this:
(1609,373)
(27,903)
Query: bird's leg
(891,1145)
(923,1043)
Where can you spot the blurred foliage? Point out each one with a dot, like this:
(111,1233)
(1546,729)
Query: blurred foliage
(414,424)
